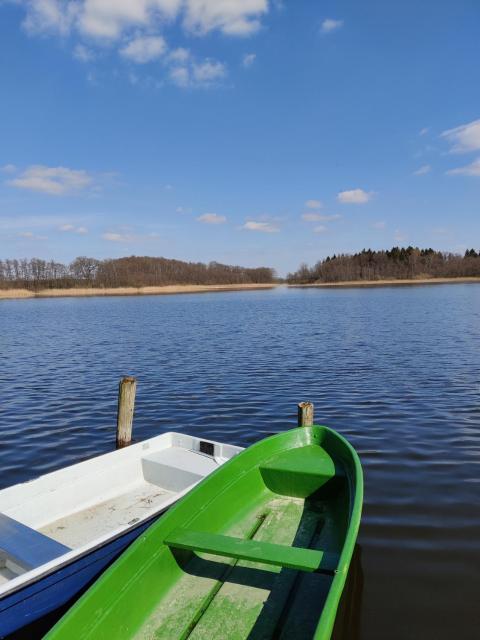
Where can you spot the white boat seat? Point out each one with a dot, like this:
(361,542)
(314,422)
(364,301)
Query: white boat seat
(176,469)
(26,546)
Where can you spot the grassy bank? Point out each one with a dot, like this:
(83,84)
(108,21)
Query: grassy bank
(387,283)
(129,291)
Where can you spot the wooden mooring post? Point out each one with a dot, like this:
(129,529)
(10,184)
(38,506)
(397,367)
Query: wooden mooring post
(305,414)
(126,407)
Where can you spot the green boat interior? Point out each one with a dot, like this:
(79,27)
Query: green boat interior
(254,580)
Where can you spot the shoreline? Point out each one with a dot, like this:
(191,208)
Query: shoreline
(18,294)
(387,283)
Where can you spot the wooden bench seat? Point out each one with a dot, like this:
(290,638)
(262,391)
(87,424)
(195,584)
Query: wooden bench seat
(253,550)
(26,546)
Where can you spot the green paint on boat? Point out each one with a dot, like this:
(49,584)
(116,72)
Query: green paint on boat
(260,549)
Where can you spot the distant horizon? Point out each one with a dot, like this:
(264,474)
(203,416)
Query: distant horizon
(247,133)
(339,254)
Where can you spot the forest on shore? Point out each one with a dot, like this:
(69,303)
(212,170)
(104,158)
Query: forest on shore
(397,263)
(133,271)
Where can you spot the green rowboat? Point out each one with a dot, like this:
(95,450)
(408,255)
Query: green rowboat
(260,549)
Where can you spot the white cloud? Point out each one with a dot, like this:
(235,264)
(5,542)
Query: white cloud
(138,27)
(400,236)
(424,169)
(180,76)
(423,131)
(83,54)
(111,19)
(330,25)
(179,55)
(354,196)
(231,17)
(313,204)
(52,180)
(50,16)
(198,74)
(264,227)
(464,138)
(71,228)
(206,72)
(211,218)
(144,49)
(248,59)
(379,225)
(318,217)
(472,169)
(320,229)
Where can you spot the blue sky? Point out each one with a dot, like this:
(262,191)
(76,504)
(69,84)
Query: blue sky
(253,132)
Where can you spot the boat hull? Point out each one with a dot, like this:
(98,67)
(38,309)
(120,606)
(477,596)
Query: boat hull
(38,599)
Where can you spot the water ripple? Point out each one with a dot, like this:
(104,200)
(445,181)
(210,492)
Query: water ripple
(397,371)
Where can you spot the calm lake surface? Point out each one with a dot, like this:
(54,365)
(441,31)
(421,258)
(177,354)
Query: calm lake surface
(396,370)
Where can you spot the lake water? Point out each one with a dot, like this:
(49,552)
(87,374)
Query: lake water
(396,370)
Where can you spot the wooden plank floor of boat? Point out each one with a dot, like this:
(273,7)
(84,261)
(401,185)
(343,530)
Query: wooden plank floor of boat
(224,598)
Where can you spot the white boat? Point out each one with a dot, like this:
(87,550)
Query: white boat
(58,532)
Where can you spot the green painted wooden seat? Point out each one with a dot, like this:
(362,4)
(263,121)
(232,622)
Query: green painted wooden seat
(297,558)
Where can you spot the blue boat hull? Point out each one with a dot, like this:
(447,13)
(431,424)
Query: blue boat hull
(36,600)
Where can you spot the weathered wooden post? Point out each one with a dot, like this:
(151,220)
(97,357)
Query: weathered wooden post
(126,407)
(305,414)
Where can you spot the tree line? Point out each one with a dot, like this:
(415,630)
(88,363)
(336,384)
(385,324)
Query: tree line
(396,263)
(133,271)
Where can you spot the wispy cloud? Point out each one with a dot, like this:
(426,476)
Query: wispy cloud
(329,25)
(13,223)
(29,235)
(128,236)
(112,236)
(8,168)
(423,170)
(143,49)
(263,227)
(314,204)
(424,131)
(248,59)
(321,228)
(55,181)
(354,196)
(73,229)
(193,74)
(83,53)
(319,217)
(379,225)
(211,218)
(464,138)
(472,169)
(399,236)
(179,55)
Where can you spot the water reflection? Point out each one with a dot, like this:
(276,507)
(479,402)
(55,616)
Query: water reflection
(348,621)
